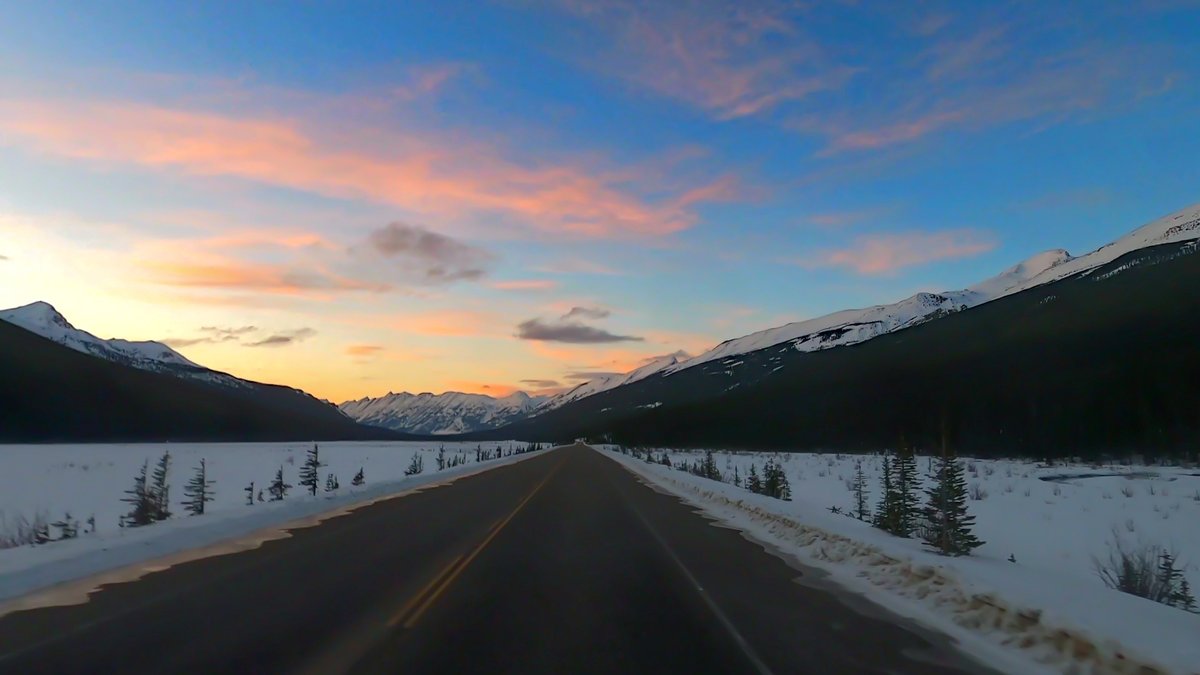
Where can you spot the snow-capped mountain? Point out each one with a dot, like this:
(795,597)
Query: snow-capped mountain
(41,318)
(449,413)
(856,325)
(606,382)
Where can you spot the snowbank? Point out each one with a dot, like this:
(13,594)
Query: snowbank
(1048,609)
(89,480)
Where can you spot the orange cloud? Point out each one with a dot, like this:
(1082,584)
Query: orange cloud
(886,253)
(363,350)
(419,174)
(490,388)
(451,323)
(252,277)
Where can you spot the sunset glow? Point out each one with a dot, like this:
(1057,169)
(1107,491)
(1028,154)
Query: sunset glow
(549,191)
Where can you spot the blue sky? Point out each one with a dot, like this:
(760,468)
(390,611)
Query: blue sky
(401,186)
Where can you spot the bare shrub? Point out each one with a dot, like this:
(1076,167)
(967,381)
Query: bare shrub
(1127,491)
(1147,571)
(23,531)
(977,492)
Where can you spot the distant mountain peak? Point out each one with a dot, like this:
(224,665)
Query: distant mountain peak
(43,319)
(446,413)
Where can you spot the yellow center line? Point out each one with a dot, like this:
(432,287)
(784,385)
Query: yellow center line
(434,589)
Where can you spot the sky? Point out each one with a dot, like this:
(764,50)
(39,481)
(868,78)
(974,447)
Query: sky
(362,197)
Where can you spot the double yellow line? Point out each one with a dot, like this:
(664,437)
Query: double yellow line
(412,610)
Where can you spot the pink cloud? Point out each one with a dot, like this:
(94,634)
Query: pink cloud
(445,180)
(524,284)
(710,55)
(887,253)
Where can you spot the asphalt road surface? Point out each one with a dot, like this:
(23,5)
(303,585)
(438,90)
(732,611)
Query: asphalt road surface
(563,563)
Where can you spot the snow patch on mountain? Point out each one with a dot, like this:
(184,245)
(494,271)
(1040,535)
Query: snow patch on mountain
(606,382)
(44,320)
(41,318)
(449,413)
(857,325)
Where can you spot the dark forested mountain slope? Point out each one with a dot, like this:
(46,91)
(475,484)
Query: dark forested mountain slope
(49,392)
(1102,361)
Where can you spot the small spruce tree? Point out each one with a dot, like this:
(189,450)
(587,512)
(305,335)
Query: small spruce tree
(358,479)
(860,492)
(278,488)
(198,490)
(310,471)
(906,483)
(249,490)
(416,466)
(947,525)
(753,482)
(441,458)
(886,512)
(141,503)
(160,491)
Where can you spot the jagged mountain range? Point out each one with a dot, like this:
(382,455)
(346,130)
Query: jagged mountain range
(449,413)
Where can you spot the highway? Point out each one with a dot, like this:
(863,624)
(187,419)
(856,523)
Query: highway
(562,563)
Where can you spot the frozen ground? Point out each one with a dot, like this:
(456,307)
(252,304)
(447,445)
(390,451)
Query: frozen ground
(1047,607)
(90,480)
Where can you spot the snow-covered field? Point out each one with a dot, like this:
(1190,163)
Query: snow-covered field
(1048,607)
(89,481)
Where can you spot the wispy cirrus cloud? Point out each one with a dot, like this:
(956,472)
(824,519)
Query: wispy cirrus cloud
(541,384)
(589,375)
(524,284)
(448,178)
(363,350)
(879,254)
(397,255)
(284,338)
(731,59)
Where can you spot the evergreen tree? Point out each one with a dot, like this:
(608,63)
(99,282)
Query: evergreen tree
(947,525)
(160,491)
(358,479)
(416,466)
(709,468)
(737,478)
(198,490)
(860,492)
(278,488)
(249,494)
(907,502)
(441,458)
(775,482)
(142,505)
(331,483)
(885,513)
(753,482)
(310,471)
